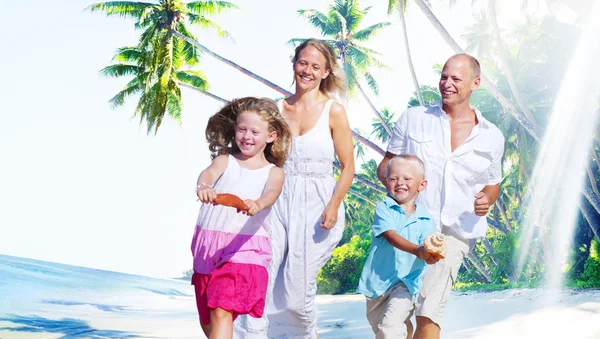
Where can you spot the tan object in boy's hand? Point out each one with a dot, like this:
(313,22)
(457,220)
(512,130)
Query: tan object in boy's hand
(231,200)
(435,245)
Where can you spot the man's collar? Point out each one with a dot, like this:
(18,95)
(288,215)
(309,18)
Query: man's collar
(483,122)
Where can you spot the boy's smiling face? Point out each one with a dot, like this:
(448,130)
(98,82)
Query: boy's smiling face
(405,179)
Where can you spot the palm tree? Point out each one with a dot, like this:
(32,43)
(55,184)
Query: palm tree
(379,129)
(340,26)
(130,61)
(430,96)
(161,54)
(400,6)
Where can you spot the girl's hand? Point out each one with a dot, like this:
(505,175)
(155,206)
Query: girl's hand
(253,207)
(329,217)
(207,194)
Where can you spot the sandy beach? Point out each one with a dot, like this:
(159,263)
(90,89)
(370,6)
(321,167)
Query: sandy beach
(521,313)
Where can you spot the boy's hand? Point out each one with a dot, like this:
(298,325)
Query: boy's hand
(429,258)
(422,253)
(207,194)
(253,207)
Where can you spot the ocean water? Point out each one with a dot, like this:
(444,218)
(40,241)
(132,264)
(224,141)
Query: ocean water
(48,300)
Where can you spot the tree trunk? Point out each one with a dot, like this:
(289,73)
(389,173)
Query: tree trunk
(233,64)
(361,196)
(411,67)
(210,95)
(377,113)
(588,215)
(592,180)
(528,125)
(595,156)
(488,246)
(255,76)
(364,181)
(512,84)
(591,197)
(497,226)
(479,266)
(502,210)
(467,266)
(367,142)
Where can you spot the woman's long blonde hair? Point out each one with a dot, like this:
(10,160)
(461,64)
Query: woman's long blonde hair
(220,131)
(334,86)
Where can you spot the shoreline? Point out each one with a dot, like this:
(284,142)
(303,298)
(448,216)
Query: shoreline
(513,313)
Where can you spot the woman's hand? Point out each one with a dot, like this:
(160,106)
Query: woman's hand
(329,216)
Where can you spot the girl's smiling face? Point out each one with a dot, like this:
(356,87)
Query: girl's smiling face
(252,134)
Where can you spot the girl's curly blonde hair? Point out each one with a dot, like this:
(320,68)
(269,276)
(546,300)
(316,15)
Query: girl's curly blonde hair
(220,131)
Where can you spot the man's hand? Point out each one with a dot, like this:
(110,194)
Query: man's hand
(482,204)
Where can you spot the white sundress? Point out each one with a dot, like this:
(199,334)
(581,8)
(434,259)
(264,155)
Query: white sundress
(300,246)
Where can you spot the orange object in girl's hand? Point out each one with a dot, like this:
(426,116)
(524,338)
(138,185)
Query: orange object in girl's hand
(231,200)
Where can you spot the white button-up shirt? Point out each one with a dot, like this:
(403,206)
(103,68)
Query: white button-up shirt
(453,178)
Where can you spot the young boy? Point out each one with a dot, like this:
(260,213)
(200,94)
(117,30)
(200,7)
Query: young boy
(391,276)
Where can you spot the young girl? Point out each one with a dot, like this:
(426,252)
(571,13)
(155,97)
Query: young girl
(249,142)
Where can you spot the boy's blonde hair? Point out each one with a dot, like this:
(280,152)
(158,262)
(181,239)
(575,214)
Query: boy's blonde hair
(407,157)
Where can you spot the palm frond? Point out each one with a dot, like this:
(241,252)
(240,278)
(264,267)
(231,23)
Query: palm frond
(371,82)
(132,88)
(124,9)
(206,23)
(146,17)
(351,13)
(127,54)
(190,52)
(394,5)
(340,22)
(210,7)
(119,70)
(193,78)
(317,20)
(174,102)
(367,33)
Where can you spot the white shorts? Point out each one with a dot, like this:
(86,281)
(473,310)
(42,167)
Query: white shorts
(439,278)
(387,313)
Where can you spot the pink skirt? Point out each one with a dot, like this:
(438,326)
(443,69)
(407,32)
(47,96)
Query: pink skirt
(237,288)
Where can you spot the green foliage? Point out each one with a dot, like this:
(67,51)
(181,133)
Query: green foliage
(342,272)
(590,277)
(157,62)
(340,27)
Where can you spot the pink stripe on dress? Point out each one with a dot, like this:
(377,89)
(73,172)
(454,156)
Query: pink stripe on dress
(212,248)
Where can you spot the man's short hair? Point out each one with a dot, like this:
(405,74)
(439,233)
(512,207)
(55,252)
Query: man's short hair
(473,63)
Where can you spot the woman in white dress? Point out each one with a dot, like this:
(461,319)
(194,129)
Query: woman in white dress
(310,208)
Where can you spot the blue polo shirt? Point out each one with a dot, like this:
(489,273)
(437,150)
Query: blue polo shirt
(386,266)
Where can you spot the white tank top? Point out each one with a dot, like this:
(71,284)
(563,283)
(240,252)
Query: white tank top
(246,184)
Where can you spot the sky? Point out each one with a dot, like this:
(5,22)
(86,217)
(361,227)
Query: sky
(83,184)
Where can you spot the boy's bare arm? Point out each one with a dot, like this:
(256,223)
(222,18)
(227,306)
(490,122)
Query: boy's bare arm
(402,244)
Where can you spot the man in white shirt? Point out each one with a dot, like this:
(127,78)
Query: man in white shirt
(462,153)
